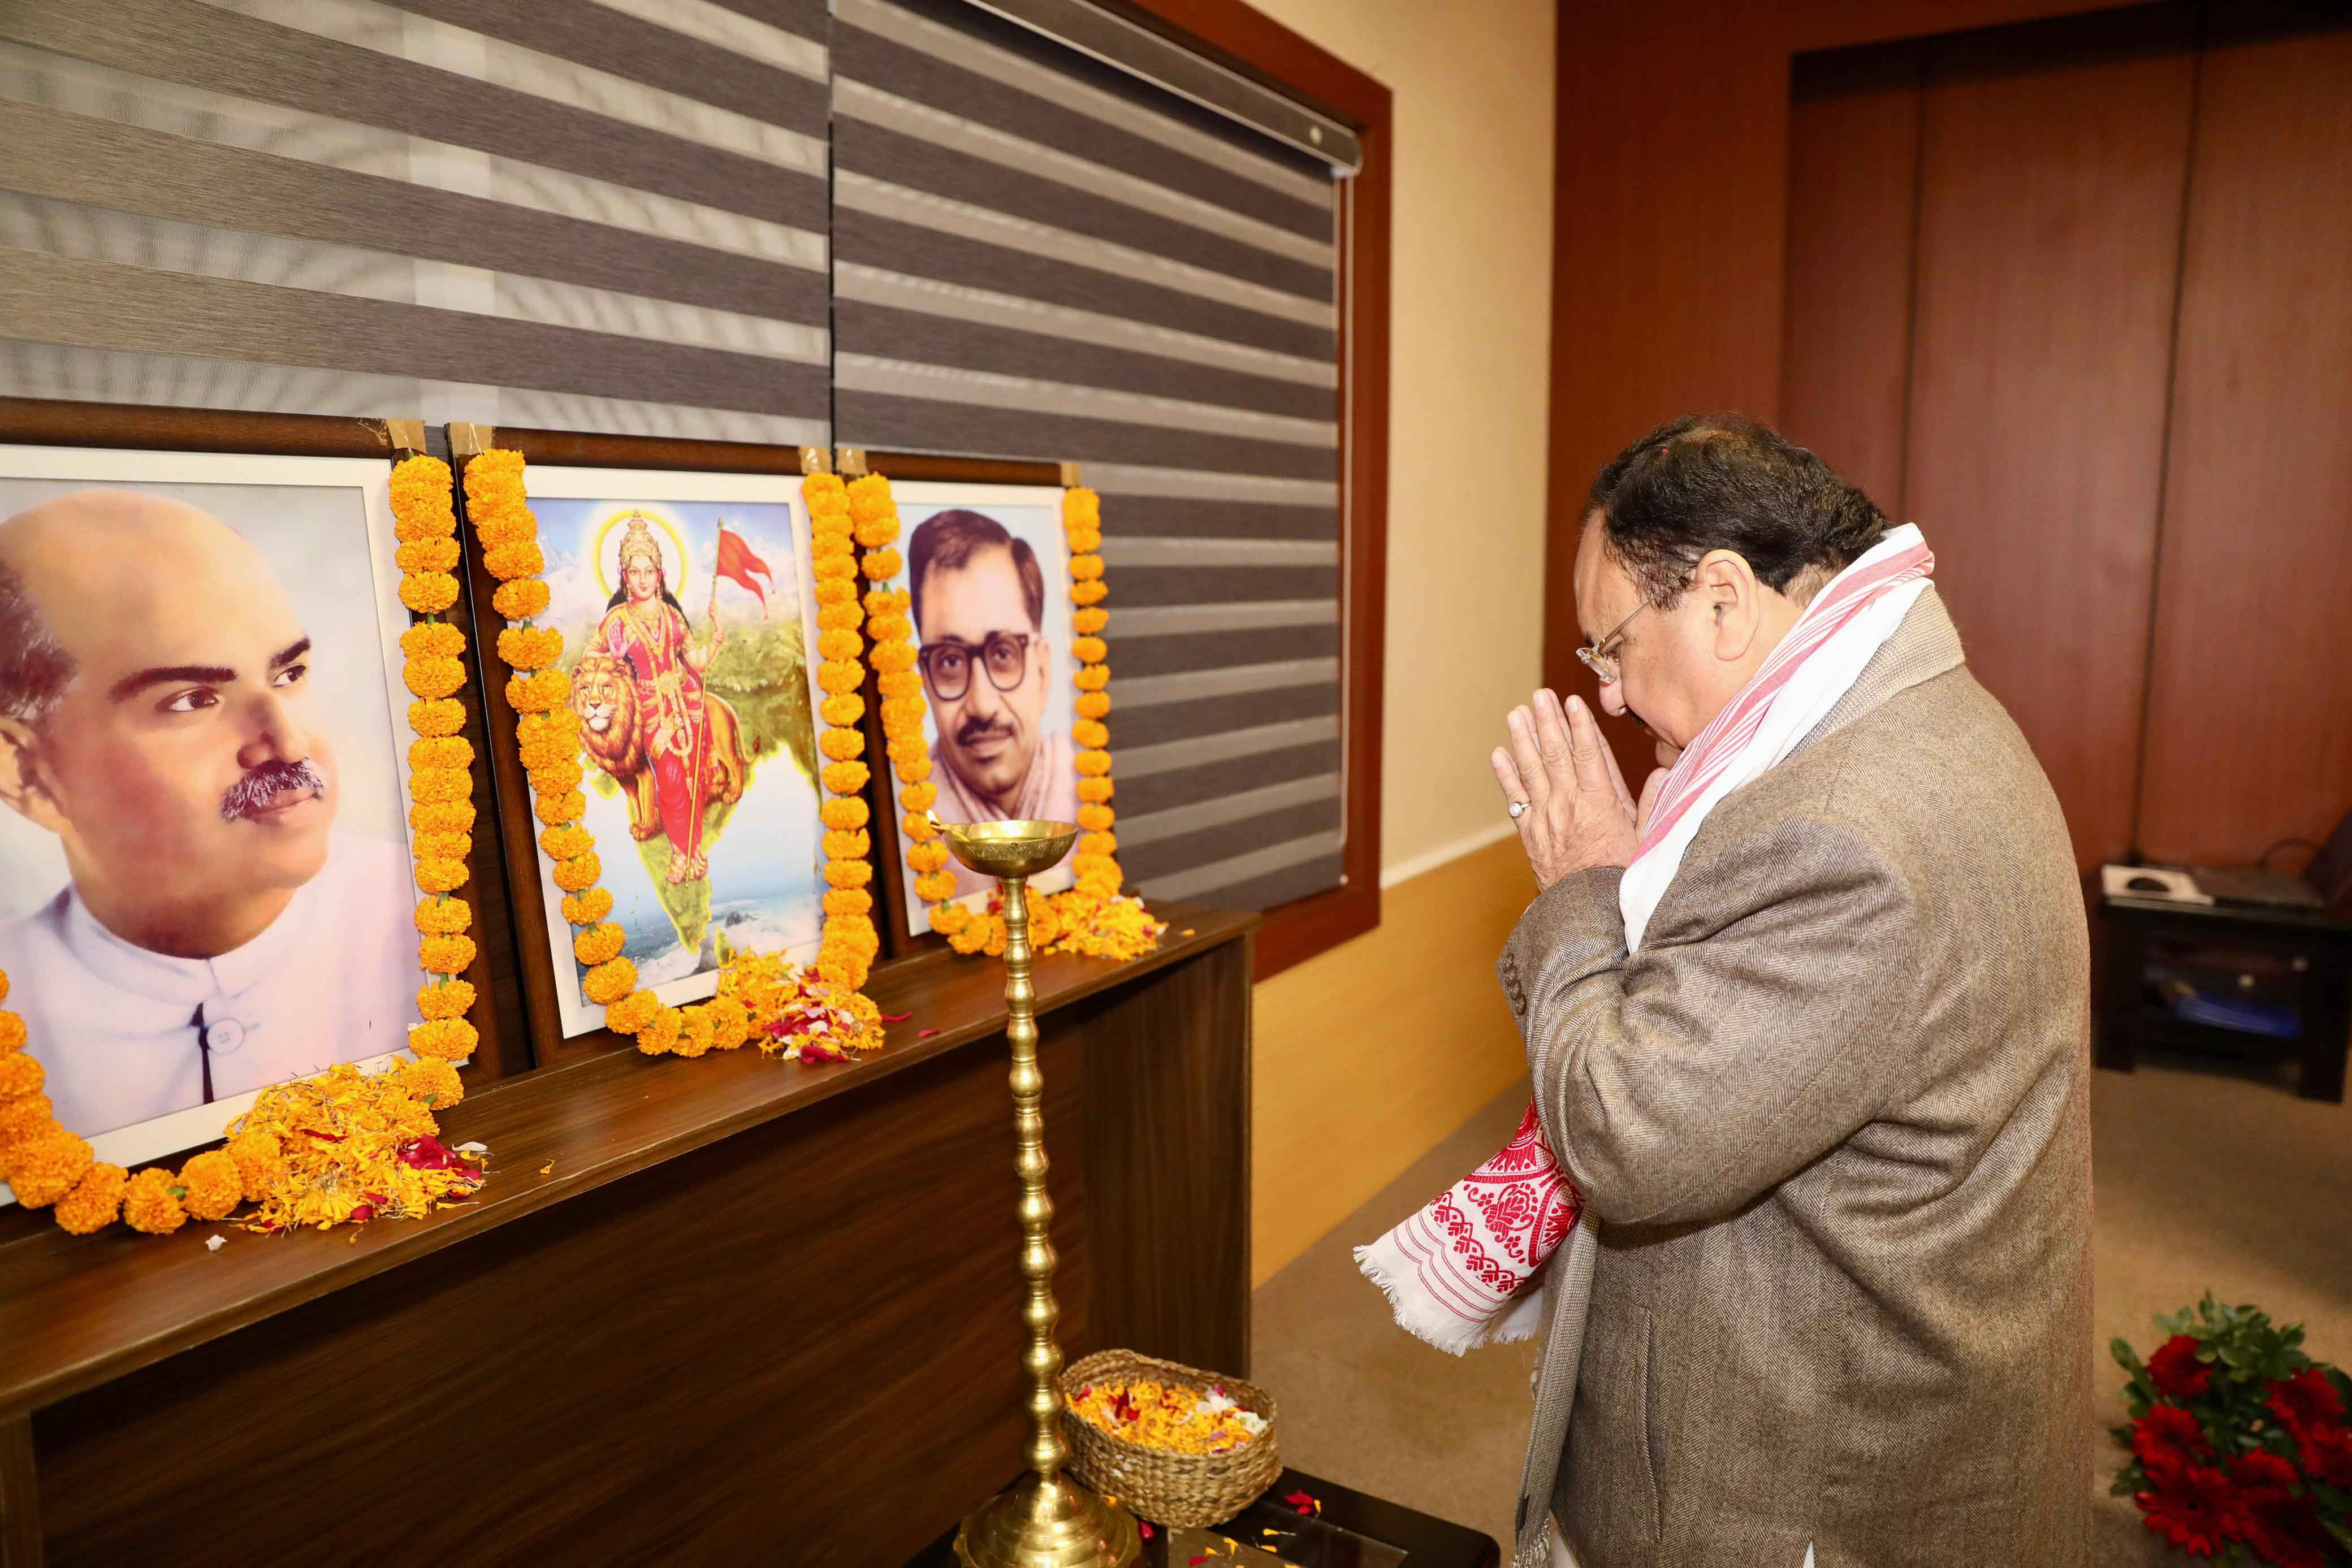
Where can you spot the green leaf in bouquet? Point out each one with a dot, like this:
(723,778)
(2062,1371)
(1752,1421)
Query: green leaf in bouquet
(2343,1536)
(2125,1357)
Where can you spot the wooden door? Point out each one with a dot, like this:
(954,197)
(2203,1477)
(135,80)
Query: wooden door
(2249,724)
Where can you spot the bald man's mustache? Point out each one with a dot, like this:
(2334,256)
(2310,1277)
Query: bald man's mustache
(251,795)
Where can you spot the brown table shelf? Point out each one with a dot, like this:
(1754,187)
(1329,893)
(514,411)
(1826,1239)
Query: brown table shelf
(711,1206)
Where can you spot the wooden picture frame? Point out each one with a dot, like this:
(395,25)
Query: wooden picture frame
(530,966)
(891,910)
(502,1049)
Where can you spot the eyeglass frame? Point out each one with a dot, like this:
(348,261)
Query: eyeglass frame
(1596,657)
(1023,639)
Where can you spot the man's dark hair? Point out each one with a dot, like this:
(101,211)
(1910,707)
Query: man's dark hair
(34,668)
(1724,481)
(947,541)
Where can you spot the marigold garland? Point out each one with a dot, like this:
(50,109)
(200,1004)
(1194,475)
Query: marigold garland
(828,1004)
(50,1167)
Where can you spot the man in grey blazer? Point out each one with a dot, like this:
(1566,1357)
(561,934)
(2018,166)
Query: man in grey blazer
(1831,1112)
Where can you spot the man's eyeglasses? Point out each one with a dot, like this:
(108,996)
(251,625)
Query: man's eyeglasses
(1600,656)
(947,664)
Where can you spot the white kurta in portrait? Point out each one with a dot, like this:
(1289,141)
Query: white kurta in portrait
(127,1035)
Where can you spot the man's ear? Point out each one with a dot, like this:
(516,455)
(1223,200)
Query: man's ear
(24,784)
(1728,586)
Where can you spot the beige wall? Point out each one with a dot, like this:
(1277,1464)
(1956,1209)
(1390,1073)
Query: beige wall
(1371,1053)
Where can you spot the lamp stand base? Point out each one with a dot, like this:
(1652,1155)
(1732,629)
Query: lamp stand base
(1036,1523)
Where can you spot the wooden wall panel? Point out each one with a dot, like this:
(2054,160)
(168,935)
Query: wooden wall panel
(2052,167)
(2250,731)
(1854,190)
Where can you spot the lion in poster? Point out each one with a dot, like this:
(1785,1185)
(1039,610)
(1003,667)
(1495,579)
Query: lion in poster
(605,695)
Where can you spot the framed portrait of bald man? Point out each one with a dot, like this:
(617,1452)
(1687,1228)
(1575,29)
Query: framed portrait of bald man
(988,572)
(204,876)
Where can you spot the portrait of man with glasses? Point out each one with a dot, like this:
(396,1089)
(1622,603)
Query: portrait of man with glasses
(1001,740)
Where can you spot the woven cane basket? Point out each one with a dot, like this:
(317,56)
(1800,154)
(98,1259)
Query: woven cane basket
(1169,1489)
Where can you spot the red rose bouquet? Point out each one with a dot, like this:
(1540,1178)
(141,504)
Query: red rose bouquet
(2241,1444)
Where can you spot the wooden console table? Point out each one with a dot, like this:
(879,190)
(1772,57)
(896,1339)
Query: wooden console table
(728,1311)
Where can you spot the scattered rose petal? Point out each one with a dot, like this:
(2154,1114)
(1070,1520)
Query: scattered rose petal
(894,1018)
(215,1243)
(925,1034)
(1144,1525)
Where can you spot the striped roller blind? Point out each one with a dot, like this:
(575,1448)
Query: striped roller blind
(1036,256)
(588,215)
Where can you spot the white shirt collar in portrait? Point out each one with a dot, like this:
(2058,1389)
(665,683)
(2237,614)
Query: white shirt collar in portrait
(333,978)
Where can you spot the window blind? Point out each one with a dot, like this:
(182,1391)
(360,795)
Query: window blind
(1038,257)
(603,215)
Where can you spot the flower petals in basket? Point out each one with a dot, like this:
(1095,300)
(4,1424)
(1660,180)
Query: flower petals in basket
(1217,1452)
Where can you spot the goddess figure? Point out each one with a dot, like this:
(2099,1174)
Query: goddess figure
(688,740)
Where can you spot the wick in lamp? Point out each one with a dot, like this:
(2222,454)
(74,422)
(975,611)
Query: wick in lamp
(1045,1520)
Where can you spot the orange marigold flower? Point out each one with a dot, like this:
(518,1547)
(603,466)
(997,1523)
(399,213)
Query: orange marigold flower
(1092,764)
(848,873)
(445,916)
(1093,704)
(562,843)
(431,640)
(846,778)
(841,745)
(839,675)
(20,1073)
(1090,732)
(832,591)
(550,688)
(845,709)
(149,1204)
(1080,505)
(731,1022)
(840,618)
(695,1032)
(947,919)
(844,816)
(215,1185)
(259,1161)
(522,558)
(441,846)
(588,906)
(902,718)
(927,857)
(834,567)
(579,873)
(95,1202)
(47,1166)
(12,1032)
(1086,593)
(440,876)
(918,828)
(847,903)
(438,784)
(598,943)
(1085,540)
(447,998)
(428,593)
(445,716)
(889,658)
(632,1012)
(1090,621)
(557,810)
(1087,567)
(1092,677)
(530,647)
(522,600)
(935,885)
(609,981)
(441,750)
(443,1039)
(882,565)
(446,955)
(547,751)
(822,486)
(839,644)
(424,526)
(23,1116)
(1095,818)
(561,725)
(847,846)
(557,778)
(1094,790)
(432,1084)
(439,554)
(869,497)
(913,768)
(881,531)
(919,796)
(893,628)
(1102,843)
(659,1035)
(1089,650)
(906,683)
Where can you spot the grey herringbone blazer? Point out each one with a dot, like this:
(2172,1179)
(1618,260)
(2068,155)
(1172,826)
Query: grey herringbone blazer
(1833,1119)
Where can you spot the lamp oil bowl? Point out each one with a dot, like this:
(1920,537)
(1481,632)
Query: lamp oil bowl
(1046,1520)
